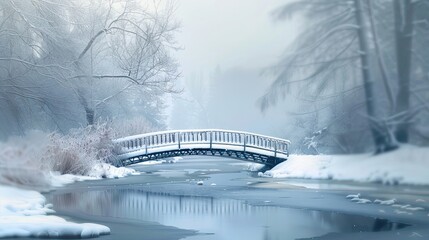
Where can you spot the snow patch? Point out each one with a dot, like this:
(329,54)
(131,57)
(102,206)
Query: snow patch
(110,171)
(363,201)
(385,202)
(360,200)
(175,159)
(401,206)
(387,168)
(249,166)
(415,208)
(353,195)
(102,170)
(23,213)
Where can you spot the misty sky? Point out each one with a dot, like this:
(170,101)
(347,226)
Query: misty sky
(230,33)
(239,37)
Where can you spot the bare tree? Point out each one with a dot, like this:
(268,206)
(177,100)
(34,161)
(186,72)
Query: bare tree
(135,42)
(60,59)
(332,45)
(342,37)
(404,22)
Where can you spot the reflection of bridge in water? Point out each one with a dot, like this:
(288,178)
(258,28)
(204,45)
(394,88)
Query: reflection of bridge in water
(208,214)
(213,142)
(141,204)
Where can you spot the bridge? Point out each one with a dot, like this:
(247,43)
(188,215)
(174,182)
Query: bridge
(209,142)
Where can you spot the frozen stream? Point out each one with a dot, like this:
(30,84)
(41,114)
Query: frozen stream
(165,202)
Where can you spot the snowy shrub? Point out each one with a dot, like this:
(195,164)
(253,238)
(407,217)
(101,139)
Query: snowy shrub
(30,160)
(78,152)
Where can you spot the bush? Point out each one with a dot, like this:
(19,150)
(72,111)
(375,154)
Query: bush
(78,152)
(29,160)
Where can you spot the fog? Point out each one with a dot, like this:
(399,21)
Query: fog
(332,76)
(226,48)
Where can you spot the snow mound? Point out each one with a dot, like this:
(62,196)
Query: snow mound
(385,202)
(109,171)
(361,200)
(101,170)
(23,213)
(174,159)
(407,165)
(253,167)
(353,195)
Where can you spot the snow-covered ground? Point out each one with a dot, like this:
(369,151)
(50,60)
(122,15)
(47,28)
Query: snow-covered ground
(101,170)
(41,161)
(24,213)
(406,165)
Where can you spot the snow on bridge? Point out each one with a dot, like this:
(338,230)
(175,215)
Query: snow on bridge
(211,142)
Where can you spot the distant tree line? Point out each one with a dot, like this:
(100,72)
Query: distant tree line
(361,70)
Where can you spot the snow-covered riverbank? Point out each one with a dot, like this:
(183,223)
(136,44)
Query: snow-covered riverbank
(406,165)
(25,213)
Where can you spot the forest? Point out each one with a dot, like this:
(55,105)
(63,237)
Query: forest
(359,68)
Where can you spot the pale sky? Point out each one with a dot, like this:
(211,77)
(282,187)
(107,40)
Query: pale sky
(231,33)
(242,38)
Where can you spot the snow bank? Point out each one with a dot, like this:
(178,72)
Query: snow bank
(23,213)
(41,160)
(105,170)
(101,170)
(407,165)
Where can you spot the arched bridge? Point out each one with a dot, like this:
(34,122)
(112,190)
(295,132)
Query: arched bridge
(212,142)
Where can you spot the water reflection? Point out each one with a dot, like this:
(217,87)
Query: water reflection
(226,218)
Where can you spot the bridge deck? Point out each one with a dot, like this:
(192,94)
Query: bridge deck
(215,142)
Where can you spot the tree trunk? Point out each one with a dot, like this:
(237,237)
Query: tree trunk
(89,112)
(404,40)
(89,116)
(380,60)
(377,135)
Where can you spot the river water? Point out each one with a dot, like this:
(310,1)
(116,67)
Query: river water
(168,195)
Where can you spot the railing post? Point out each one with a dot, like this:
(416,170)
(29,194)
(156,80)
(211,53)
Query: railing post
(178,139)
(275,148)
(245,142)
(211,139)
(145,144)
(287,150)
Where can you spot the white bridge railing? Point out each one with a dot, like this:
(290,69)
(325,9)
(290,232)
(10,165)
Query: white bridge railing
(156,142)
